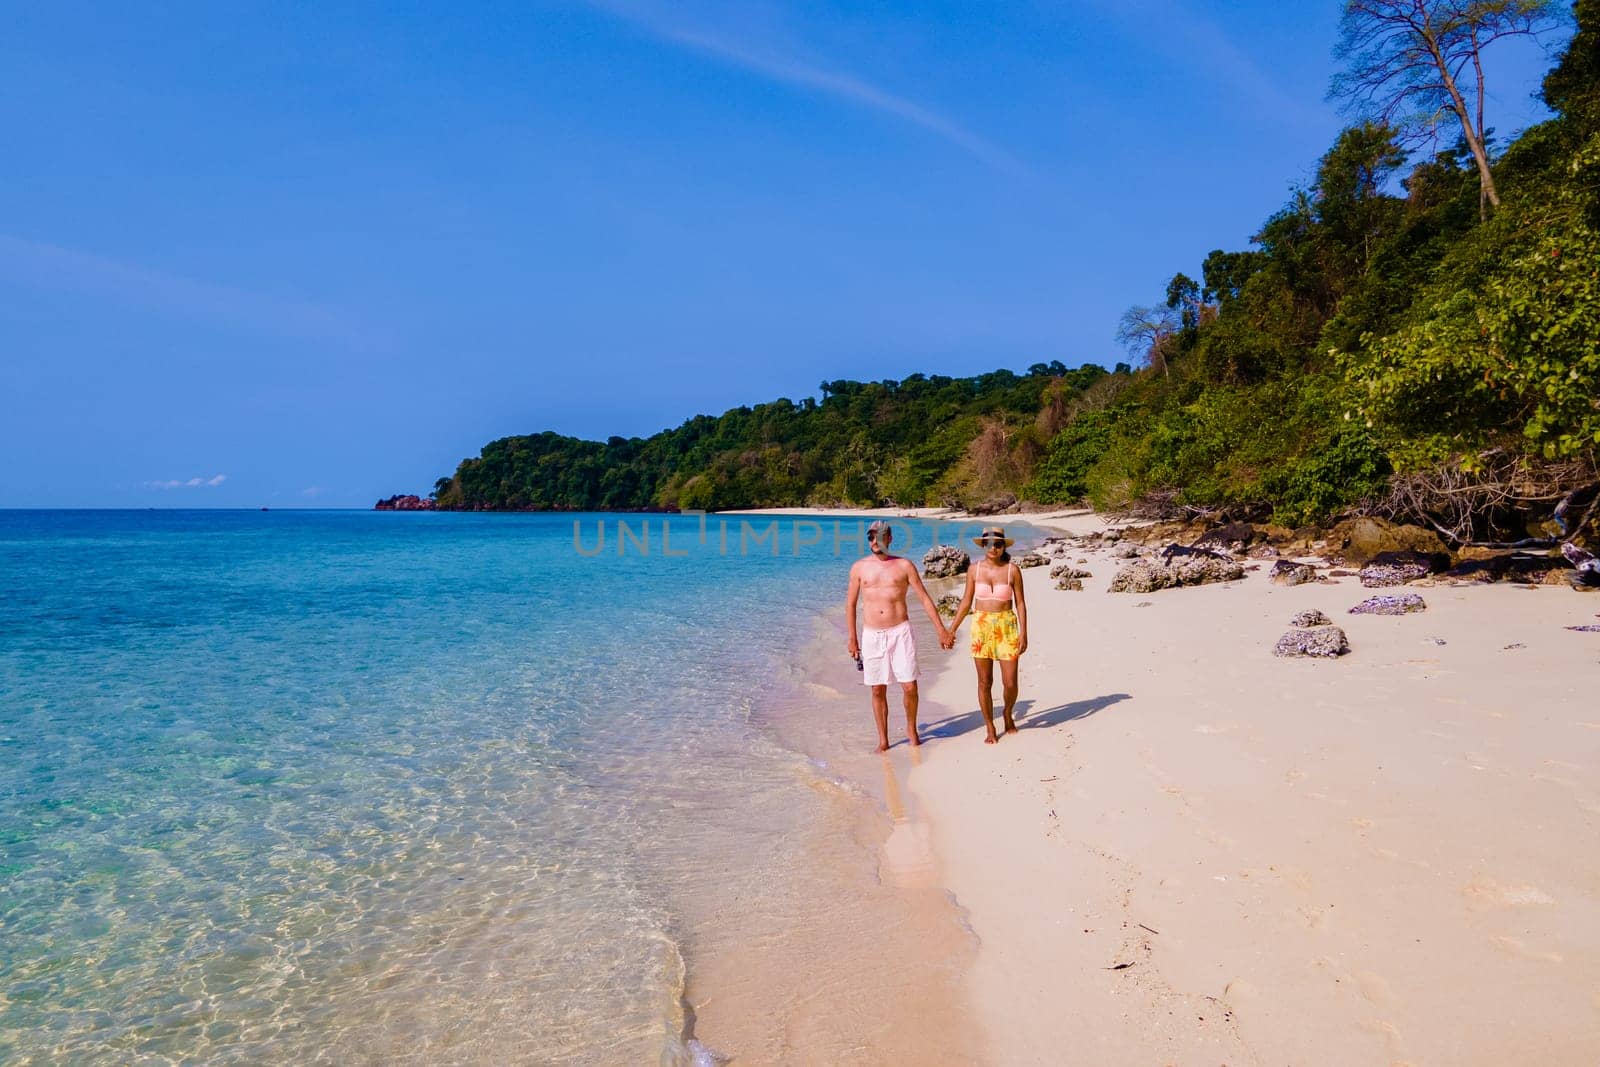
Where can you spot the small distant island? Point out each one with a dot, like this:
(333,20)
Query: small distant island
(404,502)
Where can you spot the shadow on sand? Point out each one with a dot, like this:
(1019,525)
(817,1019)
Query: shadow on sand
(1027,718)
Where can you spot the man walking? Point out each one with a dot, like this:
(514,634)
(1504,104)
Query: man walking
(886,649)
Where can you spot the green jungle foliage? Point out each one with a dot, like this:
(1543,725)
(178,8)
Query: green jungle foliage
(1376,325)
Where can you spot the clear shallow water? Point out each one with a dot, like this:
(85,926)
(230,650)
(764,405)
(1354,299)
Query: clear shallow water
(372,787)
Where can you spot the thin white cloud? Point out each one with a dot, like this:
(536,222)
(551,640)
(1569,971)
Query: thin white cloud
(188,483)
(789,71)
(313,491)
(1189,37)
(48,266)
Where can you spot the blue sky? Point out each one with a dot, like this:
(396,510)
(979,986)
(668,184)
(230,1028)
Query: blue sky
(313,254)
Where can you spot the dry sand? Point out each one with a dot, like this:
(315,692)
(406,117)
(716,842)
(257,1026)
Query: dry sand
(1194,852)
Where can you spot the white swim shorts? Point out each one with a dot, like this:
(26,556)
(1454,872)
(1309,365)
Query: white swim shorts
(888,655)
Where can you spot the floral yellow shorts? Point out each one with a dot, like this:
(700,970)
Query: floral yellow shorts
(994,634)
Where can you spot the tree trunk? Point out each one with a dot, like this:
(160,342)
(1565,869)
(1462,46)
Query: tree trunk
(1474,137)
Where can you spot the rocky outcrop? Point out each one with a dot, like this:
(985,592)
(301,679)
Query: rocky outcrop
(1326,642)
(995,505)
(948,604)
(1288,572)
(1146,576)
(1032,559)
(404,502)
(1398,568)
(1125,551)
(1067,570)
(1504,567)
(1238,538)
(1069,582)
(1358,540)
(1305,620)
(1400,604)
(1180,552)
(945,561)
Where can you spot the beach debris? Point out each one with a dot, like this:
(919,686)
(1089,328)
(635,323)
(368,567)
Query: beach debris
(1147,576)
(1152,929)
(1438,640)
(1588,628)
(1305,620)
(1323,641)
(1117,967)
(1398,568)
(1145,604)
(1288,572)
(1125,551)
(1513,646)
(945,561)
(1585,563)
(1032,559)
(1399,604)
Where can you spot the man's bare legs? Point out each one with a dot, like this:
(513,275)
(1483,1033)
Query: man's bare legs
(880,714)
(908,692)
(986,697)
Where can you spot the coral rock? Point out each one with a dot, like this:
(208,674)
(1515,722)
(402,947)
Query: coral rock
(1325,641)
(1288,572)
(1401,604)
(945,561)
(1305,620)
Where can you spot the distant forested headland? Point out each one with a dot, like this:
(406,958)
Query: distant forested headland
(1416,334)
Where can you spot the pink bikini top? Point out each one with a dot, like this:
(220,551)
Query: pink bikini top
(997,590)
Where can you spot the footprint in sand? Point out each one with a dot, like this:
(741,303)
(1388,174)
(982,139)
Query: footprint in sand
(1486,892)
(1375,989)
(1518,948)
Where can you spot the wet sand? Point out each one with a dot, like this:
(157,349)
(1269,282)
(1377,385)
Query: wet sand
(856,953)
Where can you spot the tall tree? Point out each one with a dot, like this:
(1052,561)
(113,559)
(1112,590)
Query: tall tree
(1411,62)
(1147,333)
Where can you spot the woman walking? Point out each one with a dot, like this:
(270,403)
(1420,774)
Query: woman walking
(999,624)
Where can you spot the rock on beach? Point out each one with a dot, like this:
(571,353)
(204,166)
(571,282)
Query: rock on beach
(1323,641)
(1401,604)
(945,561)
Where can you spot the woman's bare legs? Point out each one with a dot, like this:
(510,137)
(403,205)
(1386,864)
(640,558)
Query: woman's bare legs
(986,696)
(1008,690)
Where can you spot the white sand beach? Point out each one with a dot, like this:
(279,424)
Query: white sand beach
(1195,852)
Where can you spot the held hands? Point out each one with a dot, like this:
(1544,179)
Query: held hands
(947,640)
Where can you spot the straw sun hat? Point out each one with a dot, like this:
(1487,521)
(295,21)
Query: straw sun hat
(992,533)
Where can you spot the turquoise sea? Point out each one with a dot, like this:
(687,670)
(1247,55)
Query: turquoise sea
(375,787)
